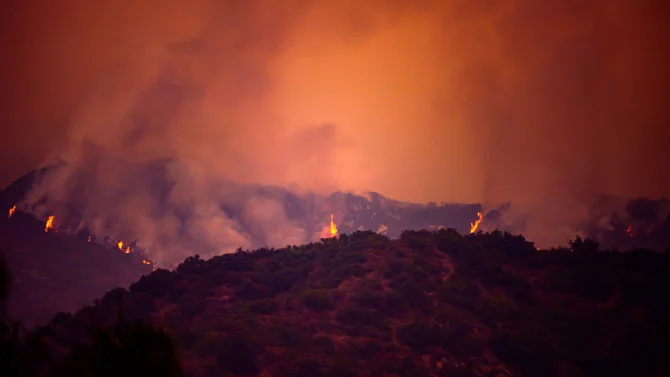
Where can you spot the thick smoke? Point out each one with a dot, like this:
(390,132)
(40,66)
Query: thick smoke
(535,103)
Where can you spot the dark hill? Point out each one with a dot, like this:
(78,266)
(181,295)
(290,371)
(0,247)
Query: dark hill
(427,304)
(56,272)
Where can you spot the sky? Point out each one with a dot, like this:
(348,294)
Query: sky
(541,103)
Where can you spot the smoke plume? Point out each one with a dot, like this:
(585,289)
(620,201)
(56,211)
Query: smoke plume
(541,104)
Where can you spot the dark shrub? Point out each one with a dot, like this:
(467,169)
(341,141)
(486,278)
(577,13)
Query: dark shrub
(142,305)
(239,261)
(416,335)
(323,343)
(452,370)
(249,291)
(520,291)
(264,306)
(355,315)
(191,306)
(317,300)
(346,271)
(530,359)
(462,293)
(237,354)
(369,299)
(413,293)
(364,350)
(272,265)
(339,368)
(158,283)
(394,267)
(191,266)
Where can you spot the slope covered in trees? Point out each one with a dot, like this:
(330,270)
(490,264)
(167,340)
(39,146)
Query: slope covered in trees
(119,348)
(427,304)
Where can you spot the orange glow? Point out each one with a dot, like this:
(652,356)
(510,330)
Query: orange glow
(145,261)
(49,224)
(89,238)
(11,210)
(378,96)
(120,245)
(475,225)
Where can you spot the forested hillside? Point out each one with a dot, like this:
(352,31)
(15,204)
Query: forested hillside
(427,304)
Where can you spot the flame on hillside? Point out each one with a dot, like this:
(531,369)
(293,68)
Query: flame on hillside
(12,210)
(144,261)
(123,247)
(49,224)
(475,225)
(333,227)
(330,230)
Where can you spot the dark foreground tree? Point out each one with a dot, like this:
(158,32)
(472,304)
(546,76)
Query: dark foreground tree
(9,330)
(124,348)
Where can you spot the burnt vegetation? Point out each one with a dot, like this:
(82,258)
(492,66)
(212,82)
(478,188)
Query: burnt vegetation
(431,303)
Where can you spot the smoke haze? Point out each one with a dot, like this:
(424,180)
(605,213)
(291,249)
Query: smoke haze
(541,104)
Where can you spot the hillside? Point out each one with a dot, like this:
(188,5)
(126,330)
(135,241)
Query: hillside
(59,272)
(426,304)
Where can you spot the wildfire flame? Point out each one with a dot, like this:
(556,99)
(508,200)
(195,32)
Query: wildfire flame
(145,261)
(329,230)
(89,238)
(123,247)
(629,231)
(49,224)
(475,225)
(333,227)
(11,210)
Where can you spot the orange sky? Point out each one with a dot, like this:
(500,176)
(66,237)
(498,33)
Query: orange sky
(466,100)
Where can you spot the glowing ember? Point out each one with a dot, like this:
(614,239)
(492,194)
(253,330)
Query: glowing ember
(145,261)
(49,224)
(333,227)
(475,225)
(89,238)
(11,210)
(629,231)
(127,251)
(120,245)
